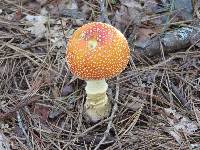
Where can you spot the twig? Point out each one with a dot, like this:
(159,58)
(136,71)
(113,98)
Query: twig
(168,17)
(32,57)
(104,17)
(109,126)
(183,100)
(171,41)
(28,45)
(61,22)
(20,105)
(136,116)
(20,123)
(80,116)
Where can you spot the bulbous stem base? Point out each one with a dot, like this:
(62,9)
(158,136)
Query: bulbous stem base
(97,105)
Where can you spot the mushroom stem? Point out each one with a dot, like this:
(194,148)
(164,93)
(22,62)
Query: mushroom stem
(97,105)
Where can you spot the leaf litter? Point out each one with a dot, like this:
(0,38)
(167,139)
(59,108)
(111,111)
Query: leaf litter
(37,86)
(179,124)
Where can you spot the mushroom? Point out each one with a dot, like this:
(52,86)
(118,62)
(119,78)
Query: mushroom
(95,52)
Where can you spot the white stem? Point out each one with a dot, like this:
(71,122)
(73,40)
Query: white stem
(97,105)
(96,86)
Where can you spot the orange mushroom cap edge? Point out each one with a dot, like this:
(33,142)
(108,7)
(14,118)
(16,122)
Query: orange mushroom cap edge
(97,51)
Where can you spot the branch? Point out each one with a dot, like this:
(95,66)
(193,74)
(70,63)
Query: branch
(21,126)
(172,41)
(109,126)
(20,105)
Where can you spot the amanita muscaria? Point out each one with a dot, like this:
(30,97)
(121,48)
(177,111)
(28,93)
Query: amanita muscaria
(95,52)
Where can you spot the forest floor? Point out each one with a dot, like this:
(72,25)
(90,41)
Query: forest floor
(156,98)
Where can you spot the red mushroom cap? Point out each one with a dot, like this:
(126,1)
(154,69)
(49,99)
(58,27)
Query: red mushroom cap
(97,51)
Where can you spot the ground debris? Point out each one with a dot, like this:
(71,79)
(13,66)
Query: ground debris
(171,41)
(38,28)
(4,144)
(157,95)
(130,12)
(179,124)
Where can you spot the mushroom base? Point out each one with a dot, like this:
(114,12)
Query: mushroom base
(97,105)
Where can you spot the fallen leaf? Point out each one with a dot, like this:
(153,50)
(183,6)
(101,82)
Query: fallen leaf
(185,9)
(67,89)
(177,136)
(57,36)
(31,20)
(37,25)
(153,7)
(130,12)
(42,111)
(172,11)
(38,30)
(86,9)
(180,122)
(67,8)
(146,33)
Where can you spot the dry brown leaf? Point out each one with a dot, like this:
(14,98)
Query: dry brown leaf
(179,122)
(42,111)
(67,8)
(67,89)
(130,12)
(146,33)
(150,6)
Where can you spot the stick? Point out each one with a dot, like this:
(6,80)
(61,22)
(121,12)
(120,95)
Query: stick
(21,104)
(109,126)
(171,41)
(20,123)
